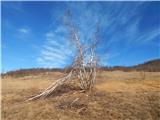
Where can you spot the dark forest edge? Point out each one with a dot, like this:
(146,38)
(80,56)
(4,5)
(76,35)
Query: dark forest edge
(149,66)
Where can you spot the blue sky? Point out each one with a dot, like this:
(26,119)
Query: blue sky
(33,33)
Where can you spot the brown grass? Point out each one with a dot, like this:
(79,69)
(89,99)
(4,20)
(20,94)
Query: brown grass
(118,96)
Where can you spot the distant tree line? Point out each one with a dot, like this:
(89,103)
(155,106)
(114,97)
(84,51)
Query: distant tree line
(32,71)
(150,66)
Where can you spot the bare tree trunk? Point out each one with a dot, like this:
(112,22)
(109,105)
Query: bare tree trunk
(48,91)
(84,67)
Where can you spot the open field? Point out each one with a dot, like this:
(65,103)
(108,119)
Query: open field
(119,96)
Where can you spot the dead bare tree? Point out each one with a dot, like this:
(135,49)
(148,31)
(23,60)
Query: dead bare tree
(83,66)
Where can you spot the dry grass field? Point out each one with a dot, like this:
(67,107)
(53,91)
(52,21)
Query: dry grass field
(118,96)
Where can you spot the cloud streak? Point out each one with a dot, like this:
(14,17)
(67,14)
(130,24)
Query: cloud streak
(24,30)
(119,25)
(55,51)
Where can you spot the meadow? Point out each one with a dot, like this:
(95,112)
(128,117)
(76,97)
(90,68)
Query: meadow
(117,95)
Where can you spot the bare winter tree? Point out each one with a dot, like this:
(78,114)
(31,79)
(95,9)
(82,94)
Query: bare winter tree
(84,63)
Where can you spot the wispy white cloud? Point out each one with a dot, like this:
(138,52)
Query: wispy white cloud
(119,26)
(23,33)
(146,38)
(55,51)
(57,48)
(104,58)
(50,35)
(24,30)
